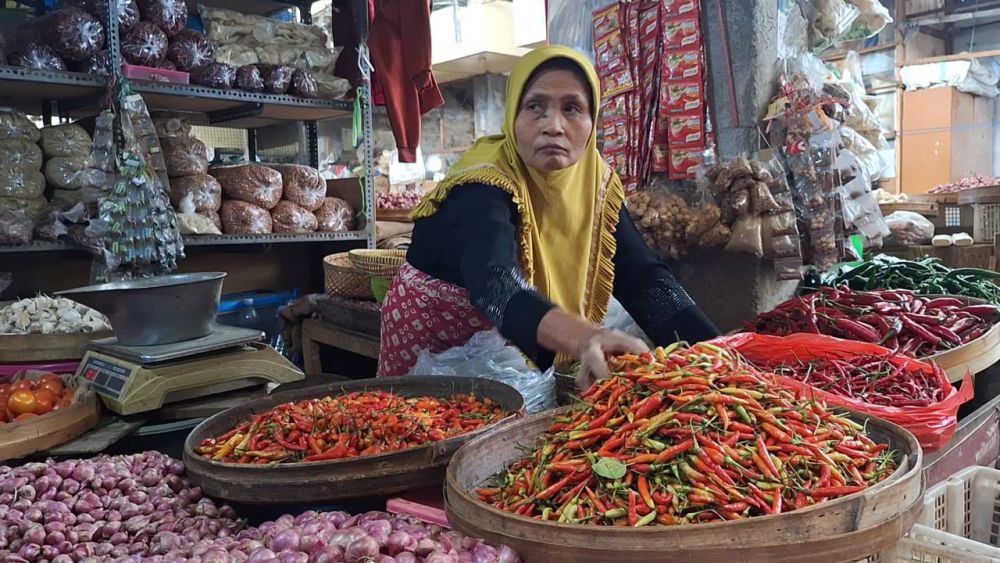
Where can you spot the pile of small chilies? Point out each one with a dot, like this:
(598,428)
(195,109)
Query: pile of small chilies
(687,435)
(349,425)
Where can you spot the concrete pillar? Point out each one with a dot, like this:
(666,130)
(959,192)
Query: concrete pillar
(489,92)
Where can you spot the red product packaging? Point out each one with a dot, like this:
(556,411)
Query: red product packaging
(681,97)
(660,158)
(680,7)
(686,130)
(682,32)
(609,54)
(683,161)
(615,137)
(631,37)
(606,21)
(613,108)
(684,64)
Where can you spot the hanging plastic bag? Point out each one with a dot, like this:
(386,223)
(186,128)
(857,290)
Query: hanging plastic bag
(932,425)
(617,318)
(488,354)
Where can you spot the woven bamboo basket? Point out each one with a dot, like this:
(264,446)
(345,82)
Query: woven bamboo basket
(381,263)
(343,279)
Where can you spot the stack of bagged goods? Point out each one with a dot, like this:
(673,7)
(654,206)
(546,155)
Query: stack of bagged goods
(67,150)
(273,56)
(250,192)
(158,38)
(22,185)
(59,40)
(305,206)
(195,195)
(128,16)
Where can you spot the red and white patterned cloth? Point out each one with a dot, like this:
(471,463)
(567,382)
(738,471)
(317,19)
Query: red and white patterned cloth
(424,313)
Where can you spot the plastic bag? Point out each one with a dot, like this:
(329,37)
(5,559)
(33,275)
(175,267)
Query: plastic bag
(909,229)
(303,84)
(288,217)
(195,224)
(169,15)
(277,78)
(66,140)
(67,172)
(214,75)
(746,236)
(37,56)
(241,218)
(184,156)
(22,183)
(204,192)
(72,33)
(617,318)
(334,215)
(302,185)
(171,126)
(189,50)
(20,153)
(15,126)
(932,425)
(99,64)
(253,183)
(145,45)
(248,78)
(488,355)
(15,227)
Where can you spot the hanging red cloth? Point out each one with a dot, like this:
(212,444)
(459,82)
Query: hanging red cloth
(400,45)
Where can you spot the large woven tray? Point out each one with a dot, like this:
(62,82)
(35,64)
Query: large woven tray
(329,481)
(844,529)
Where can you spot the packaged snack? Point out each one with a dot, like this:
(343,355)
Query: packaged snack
(680,7)
(606,21)
(683,161)
(684,64)
(681,33)
(686,129)
(681,97)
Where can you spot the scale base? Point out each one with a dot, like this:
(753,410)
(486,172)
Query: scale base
(127,387)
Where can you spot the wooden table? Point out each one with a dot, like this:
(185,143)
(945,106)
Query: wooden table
(975,256)
(316,332)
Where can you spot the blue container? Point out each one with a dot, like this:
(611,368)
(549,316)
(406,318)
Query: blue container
(286,15)
(194,23)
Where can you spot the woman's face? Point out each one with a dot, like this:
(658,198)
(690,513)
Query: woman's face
(554,122)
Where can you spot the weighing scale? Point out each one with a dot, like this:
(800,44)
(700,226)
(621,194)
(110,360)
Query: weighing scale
(133,379)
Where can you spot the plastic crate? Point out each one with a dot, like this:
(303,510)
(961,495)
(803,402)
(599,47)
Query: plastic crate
(985,222)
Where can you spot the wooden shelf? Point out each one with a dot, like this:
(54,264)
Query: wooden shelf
(26,88)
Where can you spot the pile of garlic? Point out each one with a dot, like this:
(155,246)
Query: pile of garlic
(50,315)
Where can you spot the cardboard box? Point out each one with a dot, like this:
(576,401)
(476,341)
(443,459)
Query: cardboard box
(947,135)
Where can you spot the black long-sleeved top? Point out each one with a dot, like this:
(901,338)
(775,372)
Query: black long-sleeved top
(472,242)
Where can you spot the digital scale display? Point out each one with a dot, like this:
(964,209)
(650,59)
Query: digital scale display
(107,378)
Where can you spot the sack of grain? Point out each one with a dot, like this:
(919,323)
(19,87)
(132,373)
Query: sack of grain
(214,75)
(67,172)
(20,182)
(15,227)
(189,50)
(169,15)
(303,84)
(145,45)
(36,56)
(277,78)
(214,217)
(21,153)
(195,224)
(252,183)
(15,126)
(168,125)
(242,218)
(334,215)
(204,190)
(71,32)
(29,206)
(66,140)
(185,156)
(67,196)
(302,185)
(291,218)
(248,79)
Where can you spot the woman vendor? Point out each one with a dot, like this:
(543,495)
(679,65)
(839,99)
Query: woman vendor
(529,234)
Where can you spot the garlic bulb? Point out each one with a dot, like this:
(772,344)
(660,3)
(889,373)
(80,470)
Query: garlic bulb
(50,315)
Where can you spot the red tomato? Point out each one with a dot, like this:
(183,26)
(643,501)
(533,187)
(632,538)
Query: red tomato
(51,377)
(22,402)
(4,387)
(44,400)
(23,385)
(54,387)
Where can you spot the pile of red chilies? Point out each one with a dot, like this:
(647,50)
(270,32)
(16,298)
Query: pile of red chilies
(896,319)
(684,435)
(876,380)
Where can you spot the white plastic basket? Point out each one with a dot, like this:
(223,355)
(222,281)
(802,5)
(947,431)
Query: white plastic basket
(960,522)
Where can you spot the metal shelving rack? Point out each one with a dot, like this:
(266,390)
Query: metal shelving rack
(72,95)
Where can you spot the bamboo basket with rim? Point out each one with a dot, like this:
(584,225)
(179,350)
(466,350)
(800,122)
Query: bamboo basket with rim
(20,439)
(844,529)
(341,278)
(380,263)
(335,480)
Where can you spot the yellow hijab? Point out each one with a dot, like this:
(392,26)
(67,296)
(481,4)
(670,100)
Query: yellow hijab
(567,218)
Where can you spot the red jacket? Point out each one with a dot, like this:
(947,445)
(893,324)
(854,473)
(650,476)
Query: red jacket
(400,45)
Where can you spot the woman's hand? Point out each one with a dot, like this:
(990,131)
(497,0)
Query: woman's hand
(569,334)
(594,351)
